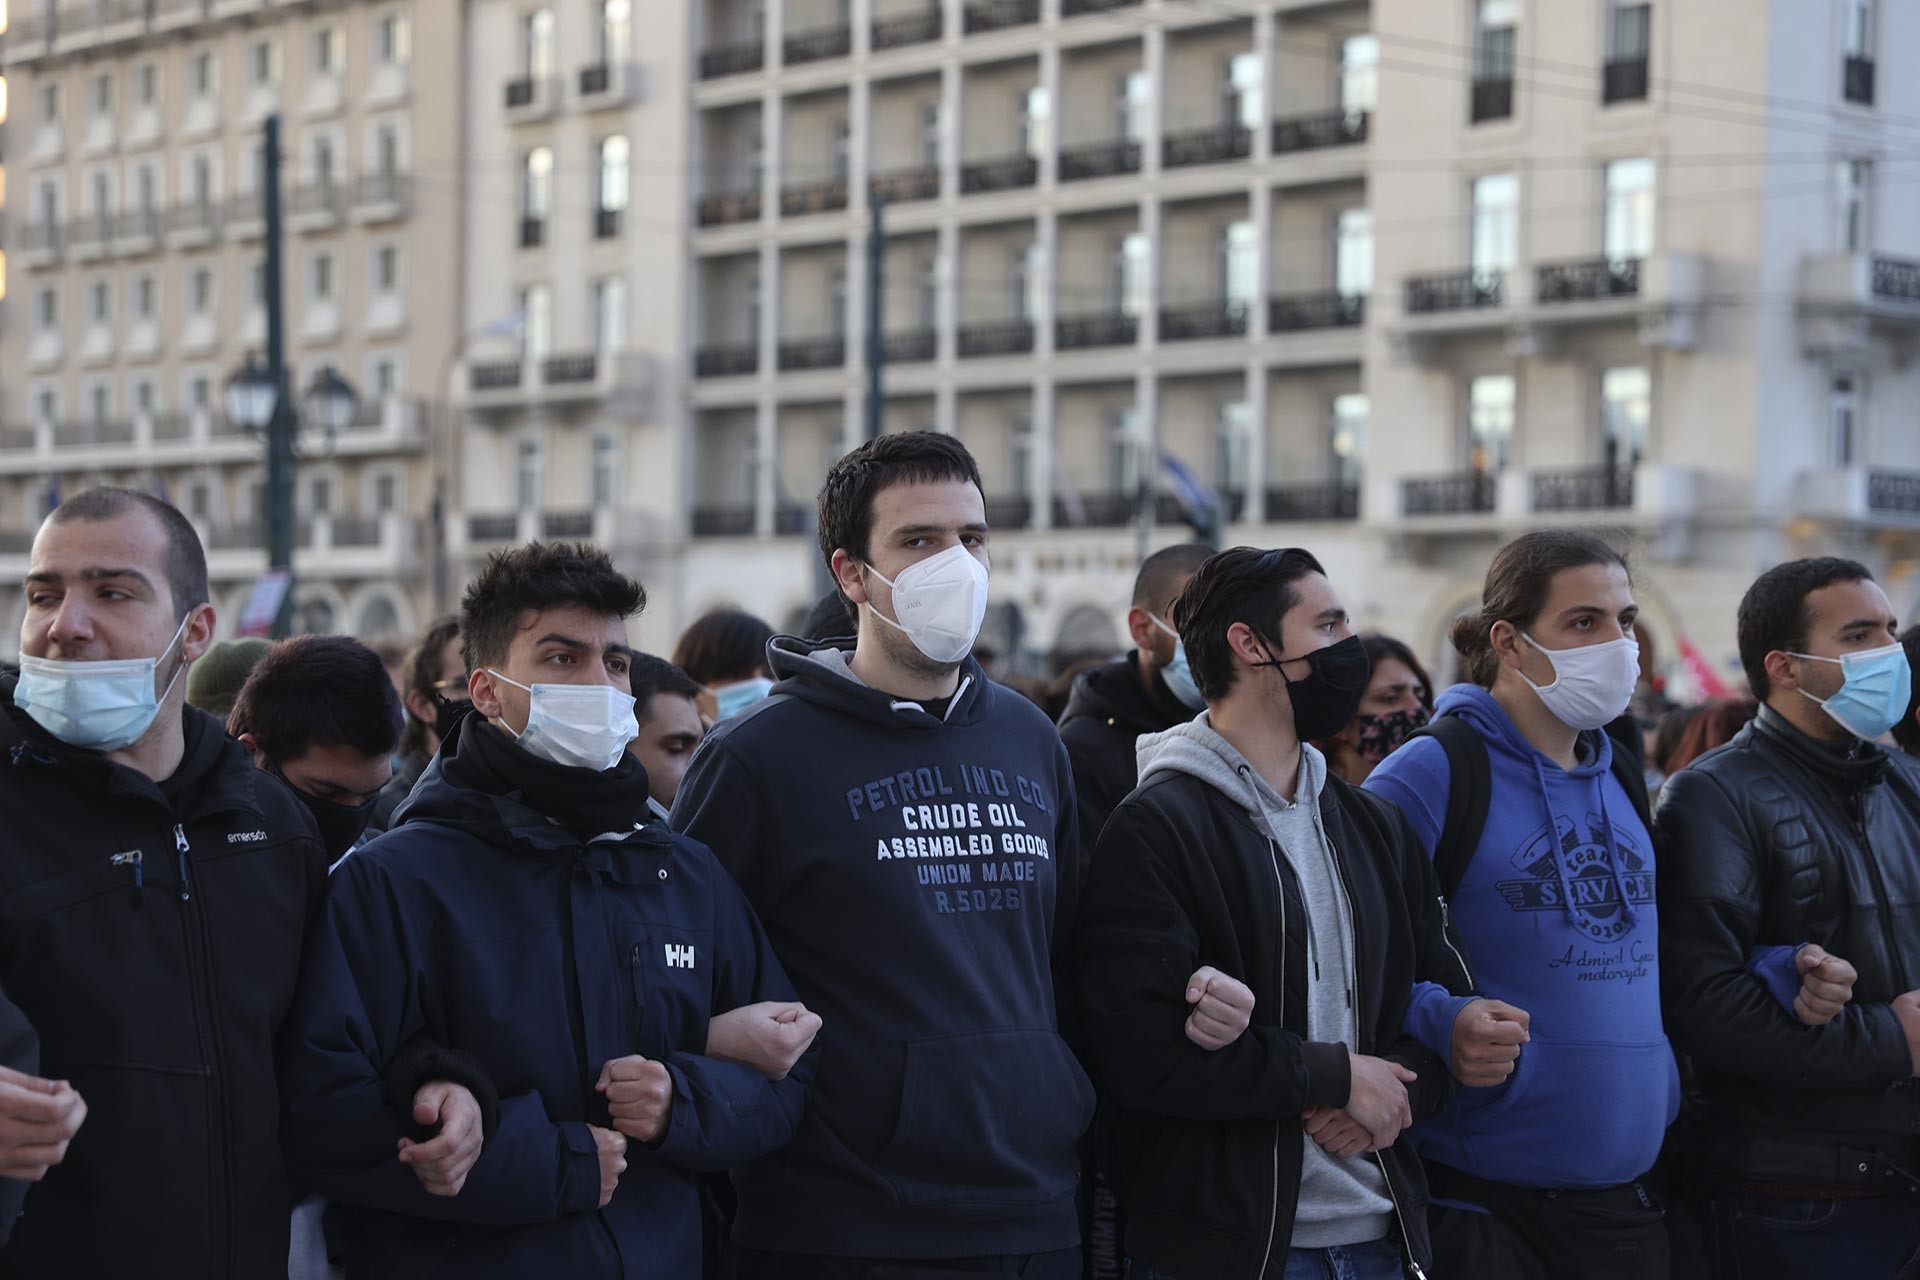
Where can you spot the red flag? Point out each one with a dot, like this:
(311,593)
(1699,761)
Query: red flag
(1706,681)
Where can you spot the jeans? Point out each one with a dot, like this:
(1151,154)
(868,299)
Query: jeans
(1760,1238)
(1375,1260)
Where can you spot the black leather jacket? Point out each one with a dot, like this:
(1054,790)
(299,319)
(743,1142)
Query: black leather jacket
(1774,839)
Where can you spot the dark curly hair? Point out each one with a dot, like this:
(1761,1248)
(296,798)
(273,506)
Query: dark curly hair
(540,575)
(318,691)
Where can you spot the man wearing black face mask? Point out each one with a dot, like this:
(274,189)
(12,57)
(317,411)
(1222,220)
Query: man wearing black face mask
(435,696)
(1252,931)
(321,715)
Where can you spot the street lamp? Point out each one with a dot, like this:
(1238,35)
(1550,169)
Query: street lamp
(330,402)
(252,395)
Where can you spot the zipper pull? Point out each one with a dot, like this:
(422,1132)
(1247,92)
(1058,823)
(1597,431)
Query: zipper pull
(180,850)
(133,858)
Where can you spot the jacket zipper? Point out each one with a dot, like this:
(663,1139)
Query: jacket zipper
(135,859)
(1880,891)
(1413,1263)
(1446,936)
(1280,894)
(217,1117)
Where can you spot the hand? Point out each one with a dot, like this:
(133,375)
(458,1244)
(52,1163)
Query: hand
(1222,1008)
(1378,1098)
(769,1037)
(443,1162)
(1486,1042)
(639,1096)
(1906,1007)
(1337,1132)
(613,1159)
(1826,984)
(38,1118)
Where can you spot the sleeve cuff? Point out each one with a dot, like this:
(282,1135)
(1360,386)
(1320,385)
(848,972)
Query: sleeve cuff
(580,1169)
(1329,1073)
(422,1061)
(1775,969)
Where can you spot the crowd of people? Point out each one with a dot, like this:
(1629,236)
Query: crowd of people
(522,953)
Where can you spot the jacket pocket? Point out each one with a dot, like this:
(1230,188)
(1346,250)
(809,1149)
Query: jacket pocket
(988,1119)
(107,873)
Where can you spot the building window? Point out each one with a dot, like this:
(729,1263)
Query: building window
(536,184)
(103,94)
(200,392)
(202,181)
(263,62)
(1857,29)
(1490,414)
(1240,264)
(616,17)
(1347,436)
(1246,82)
(326,51)
(143,297)
(46,406)
(930,136)
(392,40)
(386,493)
(837,302)
(527,475)
(322,277)
(101,310)
(536,44)
(1626,410)
(1029,282)
(842,148)
(1359,73)
(49,112)
(1133,106)
(322,160)
(147,85)
(47,307)
(1628,234)
(1494,39)
(386,149)
(200,290)
(604,478)
(143,397)
(1854,178)
(101,401)
(1036,123)
(1130,261)
(257,284)
(927,293)
(384,377)
(536,306)
(200,75)
(1629,30)
(386,269)
(1125,445)
(752,309)
(610,313)
(615,181)
(146,184)
(102,195)
(319,495)
(1495,247)
(1353,253)
(1233,445)
(1844,395)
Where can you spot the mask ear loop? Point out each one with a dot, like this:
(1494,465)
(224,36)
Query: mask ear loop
(179,667)
(495,675)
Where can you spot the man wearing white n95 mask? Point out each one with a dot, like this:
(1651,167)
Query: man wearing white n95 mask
(905,829)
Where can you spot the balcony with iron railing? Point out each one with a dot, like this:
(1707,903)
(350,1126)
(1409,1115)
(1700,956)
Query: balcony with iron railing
(1583,489)
(137,231)
(1215,145)
(906,29)
(570,369)
(913,346)
(1006,511)
(1624,80)
(725,207)
(485,376)
(1004,173)
(518,93)
(818,45)
(736,59)
(1078,8)
(1458,493)
(1099,329)
(606,224)
(90,237)
(981,16)
(1320,130)
(1099,160)
(1331,500)
(1856,76)
(996,338)
(533,232)
(902,186)
(1454,291)
(737,521)
(316,206)
(1490,99)
(726,361)
(92,433)
(192,223)
(813,197)
(40,243)
(1586,280)
(1839,293)
(812,353)
(790,518)
(1295,313)
(1106,509)
(1217,319)
(382,196)
(1895,279)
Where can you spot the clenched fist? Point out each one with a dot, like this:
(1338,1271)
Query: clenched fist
(639,1096)
(769,1037)
(612,1148)
(38,1118)
(1222,1008)
(443,1163)
(1826,984)
(1486,1042)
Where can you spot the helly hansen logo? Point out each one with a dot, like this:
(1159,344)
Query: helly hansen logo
(678,957)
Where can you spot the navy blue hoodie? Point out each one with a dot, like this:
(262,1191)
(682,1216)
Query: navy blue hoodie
(916,877)
(481,925)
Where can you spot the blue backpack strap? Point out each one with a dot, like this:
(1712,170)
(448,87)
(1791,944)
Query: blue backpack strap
(1469,795)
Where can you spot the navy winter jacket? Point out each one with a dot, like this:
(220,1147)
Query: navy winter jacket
(479,925)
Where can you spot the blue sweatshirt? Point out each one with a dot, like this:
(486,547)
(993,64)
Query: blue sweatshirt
(1558,916)
(915,875)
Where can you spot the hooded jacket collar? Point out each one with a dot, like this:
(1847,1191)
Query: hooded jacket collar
(1115,694)
(819,673)
(1197,749)
(1847,769)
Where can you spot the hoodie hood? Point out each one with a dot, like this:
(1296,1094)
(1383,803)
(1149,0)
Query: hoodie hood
(1114,694)
(819,672)
(1197,750)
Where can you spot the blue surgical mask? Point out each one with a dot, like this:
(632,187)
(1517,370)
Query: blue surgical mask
(1875,693)
(730,700)
(1177,674)
(96,706)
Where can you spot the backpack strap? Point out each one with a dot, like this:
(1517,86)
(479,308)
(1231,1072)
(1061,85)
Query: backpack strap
(1469,794)
(1628,772)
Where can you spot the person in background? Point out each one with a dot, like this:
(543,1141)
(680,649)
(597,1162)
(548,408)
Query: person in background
(319,714)
(579,959)
(1715,725)
(1802,829)
(725,653)
(1906,734)
(434,693)
(1397,704)
(666,709)
(393,651)
(1664,742)
(214,681)
(1148,691)
(155,889)
(906,830)
(832,618)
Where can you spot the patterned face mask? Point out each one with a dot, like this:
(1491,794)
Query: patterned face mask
(1381,736)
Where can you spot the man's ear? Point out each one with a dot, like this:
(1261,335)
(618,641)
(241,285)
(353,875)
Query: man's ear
(1145,636)
(1508,645)
(197,637)
(486,699)
(1781,672)
(1247,646)
(252,745)
(847,573)
(421,707)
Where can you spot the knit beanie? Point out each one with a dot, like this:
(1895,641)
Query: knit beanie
(214,681)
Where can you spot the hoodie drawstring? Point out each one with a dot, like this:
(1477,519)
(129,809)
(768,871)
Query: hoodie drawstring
(1253,789)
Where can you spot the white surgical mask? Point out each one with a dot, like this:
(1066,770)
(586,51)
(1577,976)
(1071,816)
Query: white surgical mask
(1591,686)
(582,726)
(940,603)
(96,706)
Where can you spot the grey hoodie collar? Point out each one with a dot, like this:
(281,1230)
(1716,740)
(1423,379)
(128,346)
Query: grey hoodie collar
(840,663)
(1197,750)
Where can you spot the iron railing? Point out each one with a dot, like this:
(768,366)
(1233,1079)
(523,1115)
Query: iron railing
(533,232)
(1333,500)
(498,527)
(729,206)
(727,361)
(1894,492)
(1206,146)
(595,79)
(723,522)
(1101,329)
(570,369)
(566,524)
(732,59)
(1320,130)
(1074,8)
(906,29)
(819,44)
(998,15)
(494,375)
(1218,319)
(1002,338)
(1583,489)
(519,92)
(813,353)
(1454,291)
(915,346)
(1003,174)
(813,197)
(1896,279)
(1461,493)
(1624,79)
(1296,312)
(1491,100)
(1099,160)
(1857,81)
(904,185)
(1009,512)
(1588,280)
(606,224)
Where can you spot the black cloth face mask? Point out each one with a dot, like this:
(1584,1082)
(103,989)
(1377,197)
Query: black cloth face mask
(1325,699)
(340,824)
(446,714)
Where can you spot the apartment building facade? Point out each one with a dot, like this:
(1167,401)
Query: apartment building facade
(1395,278)
(138,277)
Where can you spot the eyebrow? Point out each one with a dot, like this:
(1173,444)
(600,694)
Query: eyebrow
(582,646)
(1332,615)
(51,578)
(922,530)
(1858,623)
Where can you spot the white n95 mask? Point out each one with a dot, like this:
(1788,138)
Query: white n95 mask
(939,603)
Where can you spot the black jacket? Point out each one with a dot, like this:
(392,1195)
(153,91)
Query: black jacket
(19,1050)
(1776,839)
(1205,1148)
(406,776)
(1106,714)
(151,933)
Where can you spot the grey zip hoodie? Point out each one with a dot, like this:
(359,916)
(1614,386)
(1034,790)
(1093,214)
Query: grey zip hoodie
(1342,1201)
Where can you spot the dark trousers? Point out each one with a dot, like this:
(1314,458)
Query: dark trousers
(1760,1238)
(752,1264)
(1527,1233)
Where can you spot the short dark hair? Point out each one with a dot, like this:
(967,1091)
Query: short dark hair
(723,644)
(318,691)
(1242,585)
(424,670)
(185,560)
(1381,648)
(1518,583)
(1773,613)
(902,457)
(1153,586)
(1907,733)
(652,675)
(831,618)
(540,575)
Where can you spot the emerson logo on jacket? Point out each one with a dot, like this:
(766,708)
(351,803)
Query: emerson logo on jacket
(904,862)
